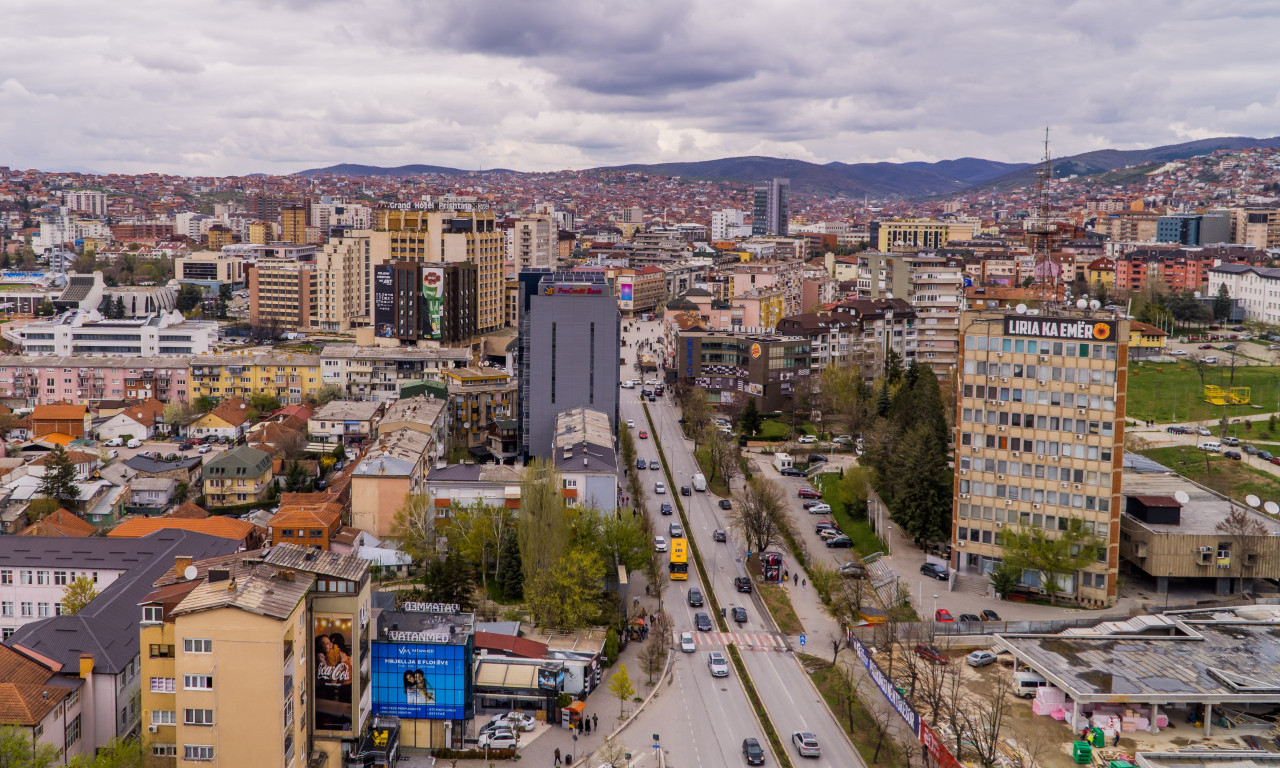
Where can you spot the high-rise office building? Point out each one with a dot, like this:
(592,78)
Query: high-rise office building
(1040,439)
(569,338)
(770,208)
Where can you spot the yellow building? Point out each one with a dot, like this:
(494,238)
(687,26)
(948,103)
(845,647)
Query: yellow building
(220,235)
(1101,273)
(254,659)
(293,224)
(289,377)
(917,233)
(262,232)
(449,236)
(1145,337)
(241,475)
(478,397)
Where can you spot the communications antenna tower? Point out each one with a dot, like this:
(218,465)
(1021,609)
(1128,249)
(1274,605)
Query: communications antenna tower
(1041,230)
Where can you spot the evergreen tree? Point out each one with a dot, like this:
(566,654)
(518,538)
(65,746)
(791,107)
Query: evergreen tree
(1222,304)
(296,479)
(59,480)
(923,502)
(883,403)
(751,419)
(118,309)
(510,572)
(451,580)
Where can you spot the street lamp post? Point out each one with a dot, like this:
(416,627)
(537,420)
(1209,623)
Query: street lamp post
(935,606)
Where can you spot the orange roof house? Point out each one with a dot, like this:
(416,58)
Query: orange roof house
(74,420)
(222,527)
(307,525)
(61,523)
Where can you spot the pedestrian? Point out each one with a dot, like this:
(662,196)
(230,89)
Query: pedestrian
(784,574)
(595,722)
(804,583)
(646,589)
(795,579)
(557,755)
(1116,743)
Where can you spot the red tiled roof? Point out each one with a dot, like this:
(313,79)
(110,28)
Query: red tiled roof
(59,412)
(223,527)
(510,644)
(60,523)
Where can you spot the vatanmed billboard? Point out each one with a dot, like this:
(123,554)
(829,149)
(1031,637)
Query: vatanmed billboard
(420,680)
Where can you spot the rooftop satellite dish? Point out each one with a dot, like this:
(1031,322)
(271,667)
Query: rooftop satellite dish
(190,572)
(1081,304)
(888,294)
(1021,309)
(1182,497)
(1272,507)
(1095,304)
(1252,500)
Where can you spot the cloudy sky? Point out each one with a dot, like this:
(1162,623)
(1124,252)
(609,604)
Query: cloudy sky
(276,86)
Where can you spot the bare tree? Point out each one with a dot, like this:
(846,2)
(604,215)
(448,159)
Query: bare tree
(611,752)
(757,510)
(981,720)
(1245,530)
(653,656)
(656,575)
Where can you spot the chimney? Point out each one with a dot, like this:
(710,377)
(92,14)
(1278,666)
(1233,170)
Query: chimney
(86,665)
(180,565)
(219,574)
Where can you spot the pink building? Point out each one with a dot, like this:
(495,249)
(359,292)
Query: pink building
(28,380)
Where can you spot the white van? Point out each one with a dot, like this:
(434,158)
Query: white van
(1025,684)
(1210,445)
(134,443)
(699,482)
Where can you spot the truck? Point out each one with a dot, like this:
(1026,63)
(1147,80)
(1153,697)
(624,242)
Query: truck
(699,483)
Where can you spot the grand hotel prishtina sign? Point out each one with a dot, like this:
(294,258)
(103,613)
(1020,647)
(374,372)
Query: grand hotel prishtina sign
(1059,328)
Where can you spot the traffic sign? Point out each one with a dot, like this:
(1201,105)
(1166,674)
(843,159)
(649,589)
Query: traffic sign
(802,640)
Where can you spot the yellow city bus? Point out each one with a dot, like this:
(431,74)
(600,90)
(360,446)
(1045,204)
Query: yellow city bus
(679,565)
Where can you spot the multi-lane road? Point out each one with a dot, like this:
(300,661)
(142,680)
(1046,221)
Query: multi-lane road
(705,723)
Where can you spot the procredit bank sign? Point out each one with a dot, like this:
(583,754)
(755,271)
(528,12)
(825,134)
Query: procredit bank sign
(1050,328)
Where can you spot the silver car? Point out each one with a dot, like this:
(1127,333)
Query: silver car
(806,744)
(718,664)
(980,658)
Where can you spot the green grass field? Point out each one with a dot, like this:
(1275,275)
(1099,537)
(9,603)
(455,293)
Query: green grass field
(1227,476)
(1172,392)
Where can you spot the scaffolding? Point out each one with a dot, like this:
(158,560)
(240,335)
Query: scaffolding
(1234,396)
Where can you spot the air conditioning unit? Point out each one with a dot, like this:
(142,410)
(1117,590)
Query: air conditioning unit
(964,495)
(1008,502)
(1206,550)
(1081,386)
(1063,485)
(1079,437)
(964,471)
(999,354)
(1041,382)
(1076,486)
(1035,506)
(1001,428)
(1000,402)
(999,525)
(152,728)
(1053,458)
(999,477)
(1044,358)
(1004,379)
(1039,455)
(1080,411)
(962,543)
(1016,453)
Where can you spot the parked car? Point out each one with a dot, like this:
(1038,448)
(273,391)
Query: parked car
(702,622)
(1232,455)
(204,449)
(1203,431)
(1249,449)
(726,504)
(810,504)
(792,472)
(686,642)
(840,542)
(820,509)
(807,440)
(695,597)
(943,615)
(114,442)
(1205,346)
(752,752)
(134,443)
(1211,359)
(980,658)
(1231,441)
(187,446)
(1265,455)
(824,525)
(969,617)
(666,508)
(718,664)
(930,653)
(806,744)
(1228,347)
(720,535)
(842,440)
(829,533)
(817,458)
(1178,352)
(519,721)
(742,583)
(936,570)
(990,615)
(498,739)
(808,493)
(740,614)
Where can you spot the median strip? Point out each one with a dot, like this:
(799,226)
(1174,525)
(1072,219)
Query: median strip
(775,742)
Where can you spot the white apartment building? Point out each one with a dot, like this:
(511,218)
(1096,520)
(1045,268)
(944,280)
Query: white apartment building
(1255,289)
(84,332)
(533,243)
(31,588)
(343,283)
(727,224)
(377,373)
(87,201)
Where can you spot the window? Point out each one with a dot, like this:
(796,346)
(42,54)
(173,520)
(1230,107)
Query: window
(162,685)
(152,614)
(6,608)
(197,752)
(73,731)
(164,750)
(27,578)
(6,576)
(161,651)
(190,645)
(60,578)
(197,682)
(28,610)
(42,577)
(163,717)
(197,717)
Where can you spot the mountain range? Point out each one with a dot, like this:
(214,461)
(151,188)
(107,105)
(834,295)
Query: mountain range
(876,180)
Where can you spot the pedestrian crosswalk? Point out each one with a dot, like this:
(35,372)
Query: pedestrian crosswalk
(746,641)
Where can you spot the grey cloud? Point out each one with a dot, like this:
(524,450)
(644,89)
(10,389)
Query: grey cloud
(168,62)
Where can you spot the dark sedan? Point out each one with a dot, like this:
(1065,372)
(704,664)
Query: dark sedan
(936,570)
(726,504)
(742,583)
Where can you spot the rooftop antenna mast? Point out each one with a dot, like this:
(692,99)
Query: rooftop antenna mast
(1041,228)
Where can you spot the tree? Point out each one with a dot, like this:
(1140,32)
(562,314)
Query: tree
(328,393)
(566,595)
(510,575)
(177,414)
(653,656)
(263,402)
(289,442)
(77,595)
(118,309)
(1055,558)
(923,504)
(339,452)
(189,298)
(59,480)
(751,420)
(296,478)
(1222,304)
(620,688)
(1004,579)
(45,309)
(618,540)
(474,532)
(203,404)
(756,513)
(414,527)
(980,720)
(18,749)
(611,752)
(543,526)
(655,575)
(1245,531)
(449,580)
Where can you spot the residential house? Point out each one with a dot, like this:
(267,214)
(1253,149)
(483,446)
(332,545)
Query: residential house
(62,419)
(229,420)
(43,705)
(462,485)
(350,422)
(61,523)
(141,421)
(307,525)
(584,455)
(248,535)
(84,462)
(425,414)
(393,468)
(478,396)
(184,469)
(238,476)
(151,495)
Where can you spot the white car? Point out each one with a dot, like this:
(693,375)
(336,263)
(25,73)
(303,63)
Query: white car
(659,488)
(1211,359)
(631,424)
(114,442)
(686,642)
(820,509)
(842,440)
(628,385)
(204,448)
(659,544)
(519,721)
(651,382)
(807,439)
(499,739)
(718,664)
(1178,352)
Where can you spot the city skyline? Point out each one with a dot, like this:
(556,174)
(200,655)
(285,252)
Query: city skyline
(568,85)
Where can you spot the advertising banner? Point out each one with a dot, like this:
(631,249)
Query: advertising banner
(384,302)
(625,291)
(420,680)
(886,686)
(1058,328)
(942,756)
(433,300)
(333,686)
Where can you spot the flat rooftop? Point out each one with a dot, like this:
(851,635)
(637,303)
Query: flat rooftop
(1202,511)
(1209,657)
(1209,758)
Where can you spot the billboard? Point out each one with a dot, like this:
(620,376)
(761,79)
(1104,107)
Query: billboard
(332,654)
(384,301)
(420,680)
(1056,328)
(625,291)
(433,301)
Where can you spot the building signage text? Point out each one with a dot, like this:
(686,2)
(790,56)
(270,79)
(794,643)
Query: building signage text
(431,608)
(1052,328)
